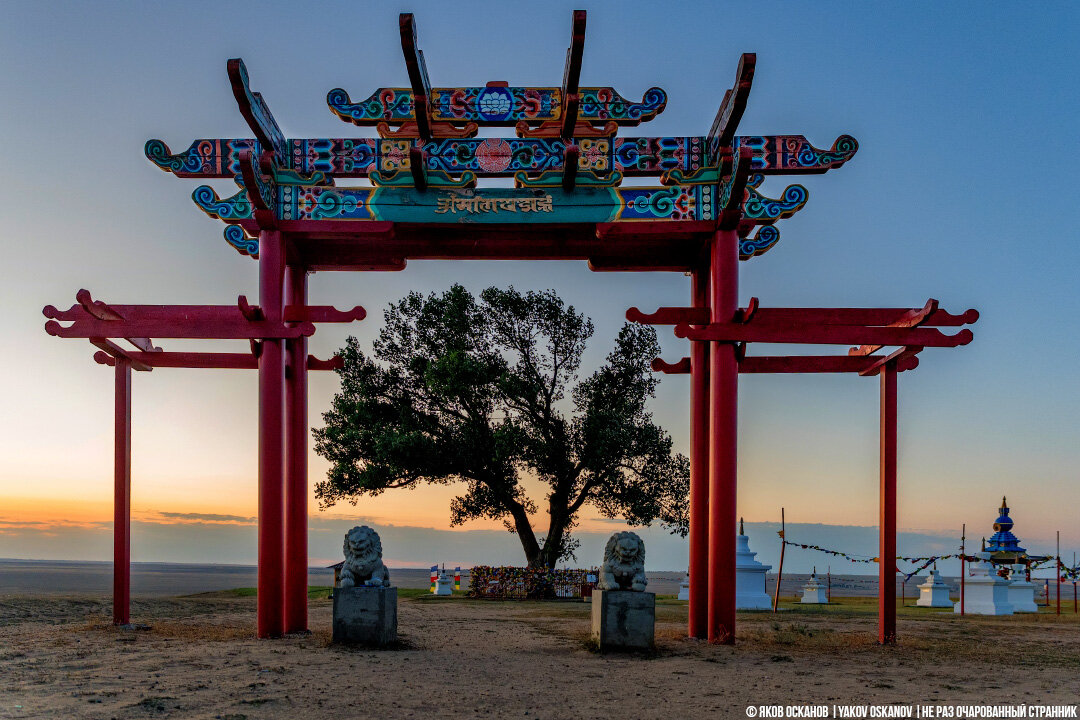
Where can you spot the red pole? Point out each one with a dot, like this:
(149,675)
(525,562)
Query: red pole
(122,496)
(780,571)
(699,468)
(887,520)
(723,437)
(271,591)
(296,451)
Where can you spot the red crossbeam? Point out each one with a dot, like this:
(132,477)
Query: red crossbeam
(757,331)
(235,329)
(113,351)
(670,316)
(200,360)
(912,318)
(803,364)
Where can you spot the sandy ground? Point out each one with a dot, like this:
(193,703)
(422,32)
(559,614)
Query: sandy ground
(59,658)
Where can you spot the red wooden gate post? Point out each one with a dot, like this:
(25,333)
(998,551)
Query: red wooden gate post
(296,447)
(723,436)
(271,589)
(887,519)
(699,467)
(122,496)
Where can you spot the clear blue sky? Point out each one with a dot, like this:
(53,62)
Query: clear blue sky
(965,114)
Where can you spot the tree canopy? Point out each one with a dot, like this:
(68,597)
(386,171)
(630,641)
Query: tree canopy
(484,392)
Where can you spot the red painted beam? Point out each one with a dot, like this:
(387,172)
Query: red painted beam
(899,358)
(698,625)
(757,331)
(670,316)
(209,360)
(887,515)
(726,122)
(680,367)
(912,318)
(723,440)
(117,352)
(296,463)
(859,316)
(271,531)
(237,329)
(122,495)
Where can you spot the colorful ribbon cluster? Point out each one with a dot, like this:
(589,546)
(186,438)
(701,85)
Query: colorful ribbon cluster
(525,583)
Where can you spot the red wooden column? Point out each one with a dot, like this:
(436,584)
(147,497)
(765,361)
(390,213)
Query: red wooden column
(271,590)
(723,436)
(699,467)
(122,496)
(887,519)
(296,450)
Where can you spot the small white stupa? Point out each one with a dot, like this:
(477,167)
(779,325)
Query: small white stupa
(444,584)
(813,592)
(750,593)
(986,592)
(934,592)
(1022,591)
(684,587)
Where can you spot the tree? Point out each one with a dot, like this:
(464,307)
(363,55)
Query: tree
(482,393)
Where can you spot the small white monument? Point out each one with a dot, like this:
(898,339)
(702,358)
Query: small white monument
(750,591)
(684,587)
(1022,591)
(814,592)
(986,592)
(444,584)
(934,592)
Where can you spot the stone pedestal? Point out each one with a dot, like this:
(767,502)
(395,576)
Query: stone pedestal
(623,619)
(813,592)
(444,585)
(1022,592)
(684,588)
(749,578)
(365,615)
(934,592)
(986,592)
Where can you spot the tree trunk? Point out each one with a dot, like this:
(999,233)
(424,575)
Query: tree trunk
(533,556)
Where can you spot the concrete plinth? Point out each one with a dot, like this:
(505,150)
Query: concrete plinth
(365,615)
(623,619)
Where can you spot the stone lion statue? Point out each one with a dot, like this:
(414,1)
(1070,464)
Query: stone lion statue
(363,559)
(624,563)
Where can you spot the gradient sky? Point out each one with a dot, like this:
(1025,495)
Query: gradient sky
(963,111)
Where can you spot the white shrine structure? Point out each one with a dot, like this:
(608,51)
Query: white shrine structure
(1022,591)
(684,587)
(444,584)
(750,592)
(986,592)
(813,592)
(988,588)
(934,592)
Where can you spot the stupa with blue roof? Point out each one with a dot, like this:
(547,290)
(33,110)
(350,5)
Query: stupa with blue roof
(1004,547)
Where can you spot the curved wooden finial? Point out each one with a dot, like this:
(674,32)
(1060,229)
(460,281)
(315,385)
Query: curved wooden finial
(681,367)
(249,311)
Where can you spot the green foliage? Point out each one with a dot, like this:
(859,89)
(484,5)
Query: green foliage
(482,392)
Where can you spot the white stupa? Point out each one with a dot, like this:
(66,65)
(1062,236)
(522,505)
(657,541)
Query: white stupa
(444,584)
(986,592)
(684,587)
(934,592)
(750,593)
(1022,591)
(813,592)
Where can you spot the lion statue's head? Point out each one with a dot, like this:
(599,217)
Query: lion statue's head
(624,563)
(363,549)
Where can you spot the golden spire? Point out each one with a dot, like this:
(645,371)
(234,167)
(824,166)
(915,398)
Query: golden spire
(984,545)
(1003,503)
(741,531)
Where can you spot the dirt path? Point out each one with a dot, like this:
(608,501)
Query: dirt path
(59,658)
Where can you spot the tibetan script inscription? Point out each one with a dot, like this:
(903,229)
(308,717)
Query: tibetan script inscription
(476,205)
